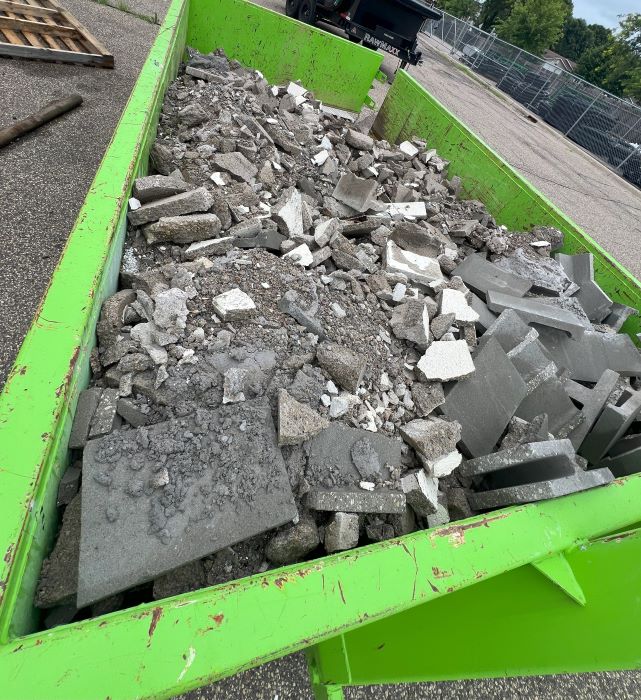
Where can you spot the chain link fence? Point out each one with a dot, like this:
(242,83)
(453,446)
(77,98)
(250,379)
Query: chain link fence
(605,125)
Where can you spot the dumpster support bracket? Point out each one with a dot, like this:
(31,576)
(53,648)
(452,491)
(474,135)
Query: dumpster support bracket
(558,570)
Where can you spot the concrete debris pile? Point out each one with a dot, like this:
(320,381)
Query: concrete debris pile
(318,344)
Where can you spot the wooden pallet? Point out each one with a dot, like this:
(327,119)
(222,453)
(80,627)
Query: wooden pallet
(44,30)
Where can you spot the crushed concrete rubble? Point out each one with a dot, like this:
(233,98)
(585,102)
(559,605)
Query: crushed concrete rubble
(316,345)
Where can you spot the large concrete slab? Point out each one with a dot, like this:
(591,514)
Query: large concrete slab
(484,402)
(156,498)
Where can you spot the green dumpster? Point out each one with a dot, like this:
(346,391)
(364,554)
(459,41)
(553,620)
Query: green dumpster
(544,588)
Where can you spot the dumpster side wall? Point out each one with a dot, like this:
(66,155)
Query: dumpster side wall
(285,49)
(410,111)
(516,624)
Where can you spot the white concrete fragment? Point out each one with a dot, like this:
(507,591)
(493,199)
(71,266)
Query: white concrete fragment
(446,361)
(134,204)
(301,255)
(418,268)
(338,310)
(288,213)
(399,292)
(233,305)
(540,244)
(367,485)
(218,179)
(325,231)
(413,210)
(320,157)
(338,407)
(445,465)
(296,90)
(453,302)
(331,388)
(409,149)
(336,112)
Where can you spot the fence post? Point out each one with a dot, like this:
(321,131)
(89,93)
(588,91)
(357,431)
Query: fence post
(627,158)
(583,115)
(516,58)
(632,128)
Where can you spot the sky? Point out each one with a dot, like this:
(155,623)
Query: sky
(604,11)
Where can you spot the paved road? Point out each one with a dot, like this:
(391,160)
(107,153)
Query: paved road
(605,205)
(44,176)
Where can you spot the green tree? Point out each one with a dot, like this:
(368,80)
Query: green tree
(615,65)
(464,9)
(579,36)
(534,25)
(493,11)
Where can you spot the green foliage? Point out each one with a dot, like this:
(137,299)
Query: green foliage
(493,11)
(579,36)
(464,9)
(615,65)
(534,25)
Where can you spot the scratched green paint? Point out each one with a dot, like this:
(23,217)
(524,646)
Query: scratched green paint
(158,650)
(517,623)
(410,110)
(165,648)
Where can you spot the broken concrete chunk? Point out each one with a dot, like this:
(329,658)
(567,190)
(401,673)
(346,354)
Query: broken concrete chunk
(85,409)
(356,192)
(296,421)
(289,304)
(69,485)
(185,203)
(528,493)
(409,149)
(235,164)
(112,316)
(588,358)
(410,321)
(484,403)
(358,140)
(343,366)
(356,501)
(610,427)
(418,268)
(325,231)
(546,274)
(443,466)
(183,229)
(233,305)
(341,532)
(433,437)
(288,213)
(59,575)
(592,402)
(301,255)
(128,410)
(533,311)
(333,448)
(427,397)
(421,492)
(625,457)
(293,543)
(618,315)
(171,310)
(483,276)
(215,246)
(441,324)
(453,302)
(233,485)
(419,239)
(147,189)
(149,337)
(104,418)
(445,361)
(192,114)
(580,269)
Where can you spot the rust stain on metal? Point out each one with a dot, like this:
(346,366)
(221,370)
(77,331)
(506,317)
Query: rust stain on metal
(433,587)
(440,573)
(156,614)
(69,373)
(218,619)
(619,536)
(456,533)
(45,436)
(280,582)
(340,589)
(8,554)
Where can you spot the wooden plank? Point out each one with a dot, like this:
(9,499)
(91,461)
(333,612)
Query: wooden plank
(22,51)
(32,38)
(22,9)
(12,36)
(22,25)
(87,36)
(51,41)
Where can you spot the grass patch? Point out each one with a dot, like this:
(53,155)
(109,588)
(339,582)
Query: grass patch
(123,7)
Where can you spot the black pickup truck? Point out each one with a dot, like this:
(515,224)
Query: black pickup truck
(390,25)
